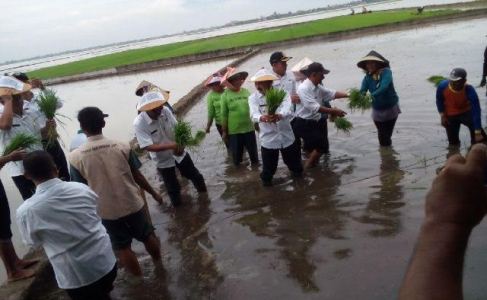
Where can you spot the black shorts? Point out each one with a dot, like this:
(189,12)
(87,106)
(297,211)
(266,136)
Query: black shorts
(312,133)
(123,230)
(5,232)
(99,289)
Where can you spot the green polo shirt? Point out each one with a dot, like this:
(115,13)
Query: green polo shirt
(214,107)
(236,112)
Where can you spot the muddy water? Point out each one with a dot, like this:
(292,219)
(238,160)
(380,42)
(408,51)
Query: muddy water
(344,231)
(115,96)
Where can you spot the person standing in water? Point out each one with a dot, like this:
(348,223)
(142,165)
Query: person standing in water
(484,72)
(385,102)
(238,128)
(458,103)
(214,103)
(276,134)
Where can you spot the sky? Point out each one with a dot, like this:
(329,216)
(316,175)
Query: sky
(30,28)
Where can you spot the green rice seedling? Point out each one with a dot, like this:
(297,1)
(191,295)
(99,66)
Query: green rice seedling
(48,104)
(357,100)
(273,99)
(343,124)
(21,140)
(436,79)
(184,137)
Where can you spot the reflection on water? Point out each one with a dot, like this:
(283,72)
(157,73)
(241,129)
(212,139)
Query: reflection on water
(383,209)
(295,214)
(198,275)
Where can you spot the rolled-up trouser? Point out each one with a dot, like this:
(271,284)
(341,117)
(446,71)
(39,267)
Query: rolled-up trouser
(291,156)
(384,131)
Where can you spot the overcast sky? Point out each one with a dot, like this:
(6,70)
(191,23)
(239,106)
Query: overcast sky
(36,27)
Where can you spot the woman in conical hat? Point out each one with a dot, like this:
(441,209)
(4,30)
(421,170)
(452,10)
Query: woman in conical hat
(214,83)
(385,102)
(238,128)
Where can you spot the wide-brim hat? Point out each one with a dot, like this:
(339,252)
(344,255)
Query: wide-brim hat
(301,65)
(263,75)
(151,100)
(213,79)
(143,84)
(12,86)
(373,56)
(232,73)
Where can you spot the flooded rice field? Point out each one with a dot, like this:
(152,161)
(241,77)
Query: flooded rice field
(344,231)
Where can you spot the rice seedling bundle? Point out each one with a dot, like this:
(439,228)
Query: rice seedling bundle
(436,79)
(21,140)
(48,104)
(184,137)
(343,124)
(273,99)
(357,100)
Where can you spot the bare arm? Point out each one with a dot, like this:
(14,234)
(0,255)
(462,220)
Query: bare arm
(144,184)
(161,147)
(340,95)
(455,204)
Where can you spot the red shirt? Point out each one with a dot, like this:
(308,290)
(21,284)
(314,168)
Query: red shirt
(456,102)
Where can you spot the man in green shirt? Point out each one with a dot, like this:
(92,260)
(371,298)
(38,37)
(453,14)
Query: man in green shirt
(238,129)
(214,104)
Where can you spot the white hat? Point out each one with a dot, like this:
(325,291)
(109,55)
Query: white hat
(302,65)
(263,75)
(151,100)
(12,86)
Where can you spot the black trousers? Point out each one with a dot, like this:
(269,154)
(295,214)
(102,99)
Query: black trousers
(325,144)
(453,128)
(384,131)
(270,157)
(5,231)
(189,171)
(237,143)
(99,289)
(220,131)
(59,158)
(26,187)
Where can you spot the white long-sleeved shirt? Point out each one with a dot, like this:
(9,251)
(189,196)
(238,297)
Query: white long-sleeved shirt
(310,98)
(61,217)
(277,135)
(286,82)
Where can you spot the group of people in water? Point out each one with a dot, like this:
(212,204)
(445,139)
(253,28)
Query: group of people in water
(79,216)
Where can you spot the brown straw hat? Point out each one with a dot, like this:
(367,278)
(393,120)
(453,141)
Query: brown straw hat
(232,73)
(373,56)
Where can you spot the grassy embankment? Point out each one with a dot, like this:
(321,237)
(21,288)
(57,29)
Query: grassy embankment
(243,39)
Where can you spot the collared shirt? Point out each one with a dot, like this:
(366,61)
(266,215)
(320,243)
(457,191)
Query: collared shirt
(78,140)
(286,82)
(161,131)
(326,95)
(61,217)
(106,166)
(277,135)
(310,96)
(31,122)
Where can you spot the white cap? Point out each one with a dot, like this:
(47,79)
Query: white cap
(150,101)
(302,65)
(11,86)
(263,75)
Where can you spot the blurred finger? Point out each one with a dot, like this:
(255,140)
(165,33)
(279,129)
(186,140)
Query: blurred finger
(455,159)
(477,157)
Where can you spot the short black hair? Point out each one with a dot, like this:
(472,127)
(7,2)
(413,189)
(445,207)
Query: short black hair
(21,76)
(92,119)
(39,165)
